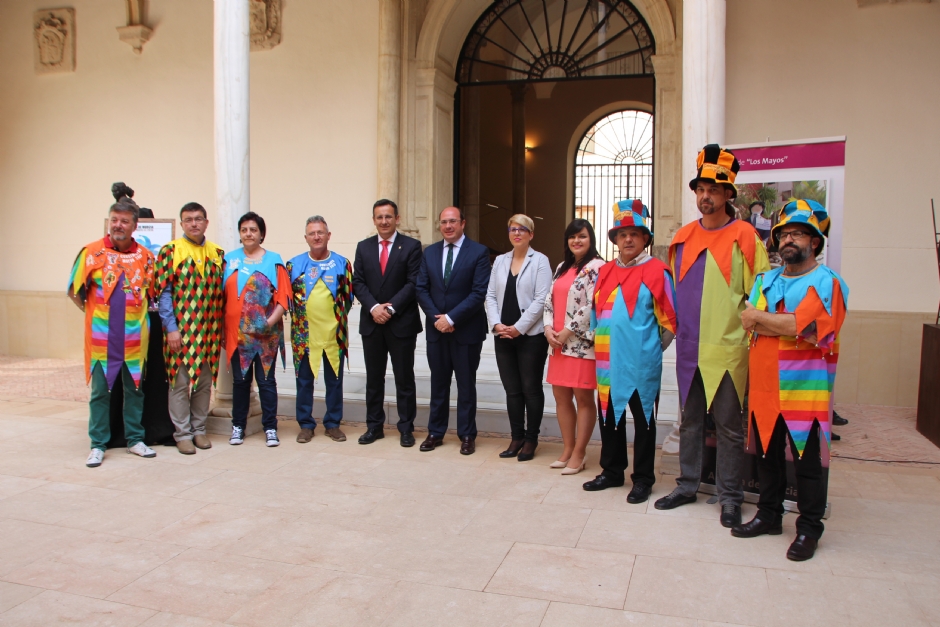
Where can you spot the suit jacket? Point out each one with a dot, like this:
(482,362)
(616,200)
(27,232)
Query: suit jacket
(462,299)
(396,286)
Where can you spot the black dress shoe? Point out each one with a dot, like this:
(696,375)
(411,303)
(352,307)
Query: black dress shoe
(674,500)
(730,515)
(431,442)
(528,451)
(467,446)
(513,449)
(838,420)
(601,482)
(802,549)
(371,435)
(639,494)
(835,437)
(756,527)
(407,440)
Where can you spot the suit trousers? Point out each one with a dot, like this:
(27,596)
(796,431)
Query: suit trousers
(377,348)
(189,409)
(729,424)
(614,458)
(810,489)
(449,359)
(521,363)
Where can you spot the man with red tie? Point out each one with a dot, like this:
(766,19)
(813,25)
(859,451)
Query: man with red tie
(385,272)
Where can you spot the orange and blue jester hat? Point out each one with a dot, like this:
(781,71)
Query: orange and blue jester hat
(716,165)
(808,213)
(630,212)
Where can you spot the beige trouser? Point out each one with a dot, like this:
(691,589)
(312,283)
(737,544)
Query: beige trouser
(190,410)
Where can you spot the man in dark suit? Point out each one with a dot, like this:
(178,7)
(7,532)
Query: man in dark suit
(384,276)
(451,289)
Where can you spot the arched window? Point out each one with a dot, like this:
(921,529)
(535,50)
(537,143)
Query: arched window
(614,162)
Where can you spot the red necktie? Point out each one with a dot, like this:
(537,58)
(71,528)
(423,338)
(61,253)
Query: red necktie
(383,258)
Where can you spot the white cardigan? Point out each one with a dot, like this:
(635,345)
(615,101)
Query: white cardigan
(532,285)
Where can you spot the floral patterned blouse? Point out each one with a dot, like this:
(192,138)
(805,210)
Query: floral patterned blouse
(577,311)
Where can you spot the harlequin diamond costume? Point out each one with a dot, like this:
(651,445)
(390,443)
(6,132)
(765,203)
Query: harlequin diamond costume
(791,379)
(714,270)
(188,279)
(253,288)
(115,288)
(322,298)
(635,320)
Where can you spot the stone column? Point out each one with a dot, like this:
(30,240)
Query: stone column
(703,85)
(231,48)
(518,146)
(389,121)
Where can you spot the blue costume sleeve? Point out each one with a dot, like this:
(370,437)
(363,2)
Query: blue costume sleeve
(167,317)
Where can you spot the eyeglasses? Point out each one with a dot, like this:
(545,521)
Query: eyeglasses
(453,222)
(518,230)
(794,235)
(193,220)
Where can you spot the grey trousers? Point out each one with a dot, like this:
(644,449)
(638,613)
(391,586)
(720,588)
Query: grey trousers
(729,425)
(190,408)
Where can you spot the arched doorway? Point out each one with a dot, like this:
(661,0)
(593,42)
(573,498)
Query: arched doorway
(614,162)
(528,74)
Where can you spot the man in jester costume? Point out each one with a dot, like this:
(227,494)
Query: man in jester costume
(794,317)
(111,281)
(634,319)
(188,280)
(715,261)
(321,281)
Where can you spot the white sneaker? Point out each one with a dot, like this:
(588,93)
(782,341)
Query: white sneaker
(142,449)
(95,458)
(238,435)
(271,435)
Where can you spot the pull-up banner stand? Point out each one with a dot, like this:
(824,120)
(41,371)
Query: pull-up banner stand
(775,172)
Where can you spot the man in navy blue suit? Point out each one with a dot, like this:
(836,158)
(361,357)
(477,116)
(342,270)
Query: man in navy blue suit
(451,289)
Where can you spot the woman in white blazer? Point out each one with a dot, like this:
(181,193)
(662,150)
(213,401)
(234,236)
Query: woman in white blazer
(519,283)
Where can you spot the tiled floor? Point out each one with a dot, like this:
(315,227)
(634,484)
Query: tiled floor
(341,534)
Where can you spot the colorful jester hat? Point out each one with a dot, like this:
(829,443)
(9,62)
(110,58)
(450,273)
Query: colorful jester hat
(808,213)
(716,165)
(631,213)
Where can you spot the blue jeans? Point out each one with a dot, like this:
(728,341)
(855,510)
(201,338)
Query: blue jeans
(241,393)
(334,394)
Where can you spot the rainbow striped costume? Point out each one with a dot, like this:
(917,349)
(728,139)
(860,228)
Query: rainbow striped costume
(791,377)
(117,330)
(632,305)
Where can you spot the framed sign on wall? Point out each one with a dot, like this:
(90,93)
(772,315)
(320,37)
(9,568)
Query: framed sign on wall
(152,233)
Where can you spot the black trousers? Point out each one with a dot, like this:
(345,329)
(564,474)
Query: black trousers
(449,359)
(376,350)
(810,489)
(521,363)
(614,458)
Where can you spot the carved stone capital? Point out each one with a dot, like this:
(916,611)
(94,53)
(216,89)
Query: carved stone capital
(265,24)
(54,41)
(135,35)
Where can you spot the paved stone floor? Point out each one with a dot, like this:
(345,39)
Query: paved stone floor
(341,534)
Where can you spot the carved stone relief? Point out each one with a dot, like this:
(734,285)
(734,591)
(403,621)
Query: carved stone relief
(54,33)
(265,24)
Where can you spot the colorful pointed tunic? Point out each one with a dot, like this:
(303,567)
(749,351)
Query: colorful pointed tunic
(252,289)
(116,288)
(322,298)
(633,305)
(714,272)
(193,273)
(790,376)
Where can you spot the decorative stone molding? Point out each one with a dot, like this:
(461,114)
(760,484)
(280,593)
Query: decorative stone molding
(54,49)
(265,24)
(871,3)
(135,34)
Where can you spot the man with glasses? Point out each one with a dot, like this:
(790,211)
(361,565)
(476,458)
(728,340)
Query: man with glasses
(188,279)
(794,317)
(451,290)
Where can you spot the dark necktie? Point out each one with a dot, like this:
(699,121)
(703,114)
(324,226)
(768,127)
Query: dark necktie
(450,263)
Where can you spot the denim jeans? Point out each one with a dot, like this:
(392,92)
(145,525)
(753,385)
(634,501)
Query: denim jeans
(334,394)
(241,393)
(521,363)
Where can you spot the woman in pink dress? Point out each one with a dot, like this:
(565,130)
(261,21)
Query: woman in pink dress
(567,320)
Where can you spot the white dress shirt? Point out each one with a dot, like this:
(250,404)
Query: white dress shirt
(391,242)
(453,262)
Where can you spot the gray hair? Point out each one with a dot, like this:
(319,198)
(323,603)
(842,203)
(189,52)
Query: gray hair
(126,205)
(317,218)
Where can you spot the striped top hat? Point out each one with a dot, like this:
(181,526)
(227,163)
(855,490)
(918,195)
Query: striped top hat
(633,213)
(808,213)
(716,165)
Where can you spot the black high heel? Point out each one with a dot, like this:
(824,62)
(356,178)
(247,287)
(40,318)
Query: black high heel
(513,449)
(527,452)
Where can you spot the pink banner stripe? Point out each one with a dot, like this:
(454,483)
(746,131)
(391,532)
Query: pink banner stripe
(793,156)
